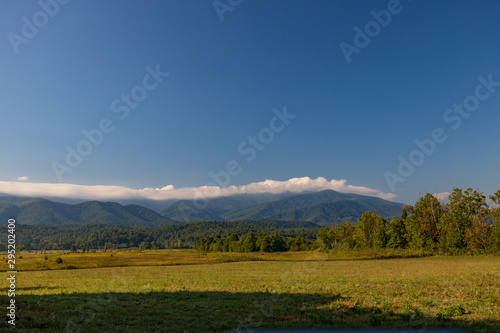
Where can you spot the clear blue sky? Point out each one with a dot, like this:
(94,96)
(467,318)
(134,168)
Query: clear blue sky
(352,121)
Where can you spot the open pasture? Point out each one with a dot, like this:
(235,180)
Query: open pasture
(276,291)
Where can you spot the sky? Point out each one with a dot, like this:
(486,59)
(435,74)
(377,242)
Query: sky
(164,99)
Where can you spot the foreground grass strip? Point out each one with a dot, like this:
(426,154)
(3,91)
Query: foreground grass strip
(126,258)
(215,312)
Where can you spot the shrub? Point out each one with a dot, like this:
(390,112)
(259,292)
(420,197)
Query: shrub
(451,311)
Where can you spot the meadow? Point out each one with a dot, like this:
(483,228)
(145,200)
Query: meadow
(189,291)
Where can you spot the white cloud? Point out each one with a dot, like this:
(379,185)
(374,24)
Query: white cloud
(105,192)
(23,179)
(443,196)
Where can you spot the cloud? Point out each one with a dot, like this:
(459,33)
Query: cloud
(443,196)
(23,179)
(105,192)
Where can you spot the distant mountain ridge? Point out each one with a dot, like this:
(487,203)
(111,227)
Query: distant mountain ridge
(215,209)
(325,208)
(42,211)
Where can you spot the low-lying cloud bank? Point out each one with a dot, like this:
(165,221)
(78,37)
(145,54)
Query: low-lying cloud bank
(105,192)
(443,196)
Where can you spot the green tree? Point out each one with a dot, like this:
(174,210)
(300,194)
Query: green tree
(266,244)
(200,244)
(278,244)
(143,246)
(464,223)
(398,235)
(344,234)
(423,225)
(370,231)
(234,244)
(297,244)
(326,238)
(248,242)
(336,237)
(494,237)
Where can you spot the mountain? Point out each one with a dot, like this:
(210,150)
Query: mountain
(215,209)
(42,211)
(325,208)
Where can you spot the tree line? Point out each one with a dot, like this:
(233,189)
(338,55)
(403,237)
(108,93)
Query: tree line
(251,242)
(89,237)
(467,223)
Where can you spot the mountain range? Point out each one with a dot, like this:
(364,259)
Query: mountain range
(324,208)
(42,211)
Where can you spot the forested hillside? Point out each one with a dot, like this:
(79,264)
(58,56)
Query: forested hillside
(99,236)
(326,208)
(46,212)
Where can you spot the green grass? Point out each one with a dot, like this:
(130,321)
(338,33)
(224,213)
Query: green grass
(49,261)
(279,290)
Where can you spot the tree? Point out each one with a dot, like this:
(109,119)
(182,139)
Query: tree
(144,246)
(336,237)
(423,224)
(326,238)
(278,244)
(248,242)
(296,244)
(266,245)
(494,237)
(233,242)
(398,235)
(344,234)
(464,223)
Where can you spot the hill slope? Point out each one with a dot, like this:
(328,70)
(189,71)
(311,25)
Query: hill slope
(325,207)
(41,211)
(216,208)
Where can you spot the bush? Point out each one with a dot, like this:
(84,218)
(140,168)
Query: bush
(59,260)
(451,311)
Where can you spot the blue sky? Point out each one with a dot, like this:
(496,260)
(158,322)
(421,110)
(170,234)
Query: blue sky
(353,120)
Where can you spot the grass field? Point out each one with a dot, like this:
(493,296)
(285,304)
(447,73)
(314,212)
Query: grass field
(187,291)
